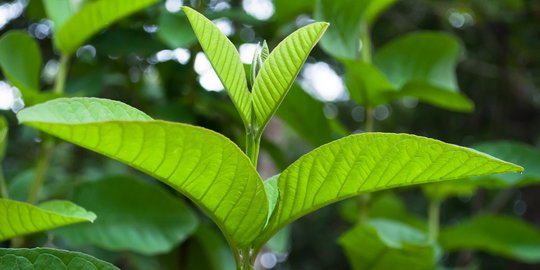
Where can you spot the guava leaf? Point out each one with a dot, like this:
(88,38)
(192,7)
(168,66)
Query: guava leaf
(203,165)
(127,221)
(384,244)
(280,69)
(59,11)
(175,31)
(497,234)
(20,60)
(48,258)
(367,85)
(19,218)
(93,17)
(225,60)
(369,162)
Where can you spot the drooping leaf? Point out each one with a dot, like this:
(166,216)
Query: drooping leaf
(423,65)
(127,221)
(346,18)
(48,258)
(225,60)
(203,165)
(20,60)
(370,162)
(93,17)
(19,218)
(280,69)
(496,234)
(175,31)
(386,244)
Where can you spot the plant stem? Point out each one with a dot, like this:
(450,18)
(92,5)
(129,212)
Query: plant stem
(434,219)
(44,157)
(246,260)
(253,144)
(60,82)
(363,204)
(368,124)
(365,50)
(3,187)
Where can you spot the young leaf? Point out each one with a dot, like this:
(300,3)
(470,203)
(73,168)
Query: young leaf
(127,221)
(260,55)
(19,218)
(225,60)
(384,244)
(91,18)
(370,162)
(203,165)
(496,234)
(280,69)
(20,60)
(49,258)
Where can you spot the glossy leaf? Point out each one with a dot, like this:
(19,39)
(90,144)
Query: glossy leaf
(20,60)
(496,234)
(225,60)
(203,165)
(93,17)
(385,244)
(21,218)
(127,221)
(280,69)
(48,258)
(370,162)
(347,18)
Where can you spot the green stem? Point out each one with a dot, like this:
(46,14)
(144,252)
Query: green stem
(253,144)
(45,153)
(60,82)
(434,219)
(368,124)
(247,262)
(3,187)
(365,37)
(363,205)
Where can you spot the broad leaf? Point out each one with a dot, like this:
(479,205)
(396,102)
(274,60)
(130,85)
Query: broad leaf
(127,221)
(280,69)
(496,234)
(347,18)
(93,17)
(385,244)
(19,218)
(423,65)
(48,258)
(370,162)
(367,85)
(59,11)
(225,60)
(203,165)
(20,60)
(175,31)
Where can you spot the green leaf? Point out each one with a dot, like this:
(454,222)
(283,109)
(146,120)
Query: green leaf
(496,234)
(127,221)
(48,258)
(280,69)
(385,244)
(203,165)
(299,106)
(20,60)
(93,17)
(225,60)
(367,85)
(422,65)
(209,251)
(21,218)
(175,31)
(59,11)
(369,162)
(444,190)
(347,18)
(288,10)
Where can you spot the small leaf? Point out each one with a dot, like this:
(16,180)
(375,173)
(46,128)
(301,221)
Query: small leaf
(496,234)
(93,17)
(48,258)
(20,60)
(369,162)
(21,218)
(225,60)
(385,244)
(203,165)
(260,55)
(280,69)
(127,221)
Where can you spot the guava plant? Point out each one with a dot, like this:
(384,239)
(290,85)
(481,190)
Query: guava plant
(221,179)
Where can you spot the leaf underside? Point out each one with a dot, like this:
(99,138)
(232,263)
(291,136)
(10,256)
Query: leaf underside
(20,60)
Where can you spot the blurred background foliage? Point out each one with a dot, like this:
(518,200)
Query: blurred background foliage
(152,61)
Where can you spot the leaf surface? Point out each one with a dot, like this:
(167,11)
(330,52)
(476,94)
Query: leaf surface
(203,165)
(370,162)
(175,31)
(280,69)
(21,218)
(48,258)
(225,60)
(93,17)
(127,221)
(20,60)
